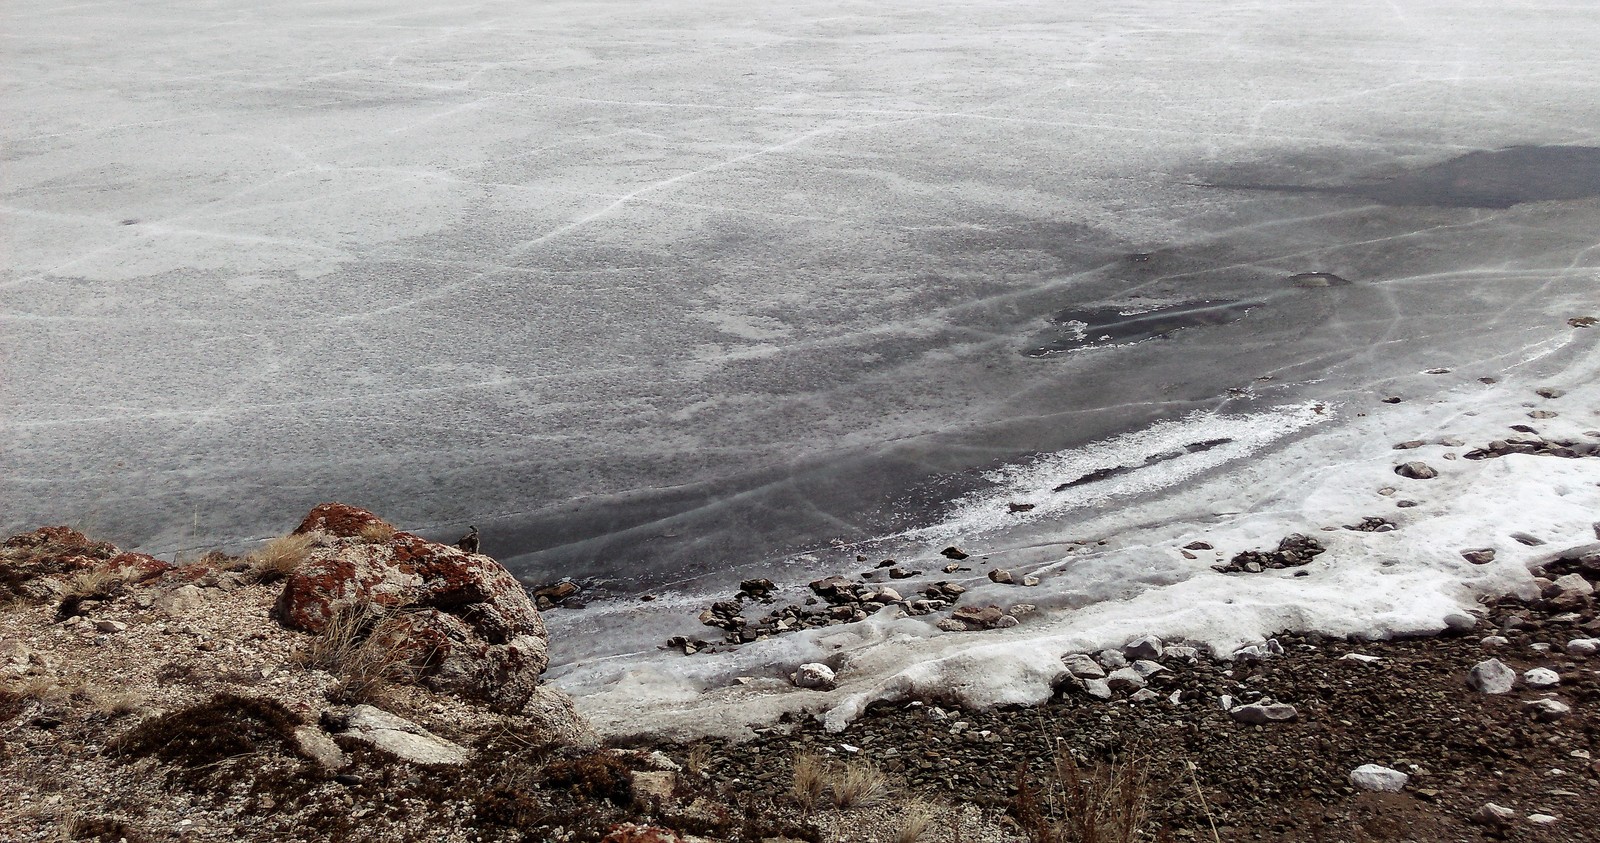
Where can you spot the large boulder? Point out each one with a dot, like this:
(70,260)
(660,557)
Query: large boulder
(461,619)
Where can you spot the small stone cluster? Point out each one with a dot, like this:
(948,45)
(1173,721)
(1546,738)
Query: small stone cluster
(1292,552)
(1139,672)
(1526,441)
(834,600)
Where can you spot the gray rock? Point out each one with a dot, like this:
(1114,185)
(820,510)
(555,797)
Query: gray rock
(1259,714)
(1147,647)
(1006,622)
(1147,668)
(1111,659)
(1100,689)
(401,737)
(1002,576)
(1548,709)
(1492,677)
(1125,679)
(1177,652)
(1082,666)
(1481,556)
(1540,678)
(1416,470)
(1030,580)
(182,600)
(1574,585)
(110,626)
(814,675)
(1542,819)
(315,744)
(952,625)
(1492,815)
(1457,622)
(1583,646)
(1143,695)
(1494,641)
(1378,778)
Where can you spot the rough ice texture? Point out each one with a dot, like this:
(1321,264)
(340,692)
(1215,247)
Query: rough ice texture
(461,618)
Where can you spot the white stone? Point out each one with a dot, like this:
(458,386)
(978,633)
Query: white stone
(1494,641)
(1492,677)
(1143,695)
(1378,778)
(1583,646)
(1178,652)
(1359,657)
(814,675)
(1542,819)
(1030,580)
(110,626)
(1006,622)
(1111,659)
(1541,678)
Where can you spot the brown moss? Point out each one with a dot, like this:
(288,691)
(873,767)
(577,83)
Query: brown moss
(597,775)
(204,741)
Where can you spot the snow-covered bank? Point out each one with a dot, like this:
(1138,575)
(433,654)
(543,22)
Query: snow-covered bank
(1113,569)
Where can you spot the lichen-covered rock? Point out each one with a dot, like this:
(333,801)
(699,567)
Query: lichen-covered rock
(36,565)
(461,618)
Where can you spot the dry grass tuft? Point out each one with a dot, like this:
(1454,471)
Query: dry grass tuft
(377,532)
(1109,804)
(859,785)
(280,557)
(699,757)
(915,821)
(810,780)
(117,703)
(355,647)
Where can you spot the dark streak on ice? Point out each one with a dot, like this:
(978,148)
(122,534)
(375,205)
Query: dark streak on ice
(1113,471)
(1091,327)
(1497,179)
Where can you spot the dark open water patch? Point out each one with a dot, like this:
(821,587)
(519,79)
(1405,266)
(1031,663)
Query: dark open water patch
(1498,179)
(1074,329)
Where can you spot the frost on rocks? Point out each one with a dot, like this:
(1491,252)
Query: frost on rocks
(1111,659)
(814,675)
(399,737)
(1492,676)
(1540,678)
(1376,777)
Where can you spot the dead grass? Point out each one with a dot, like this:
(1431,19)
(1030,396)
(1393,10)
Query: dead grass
(377,532)
(1106,804)
(355,647)
(280,557)
(810,780)
(915,821)
(859,784)
(118,702)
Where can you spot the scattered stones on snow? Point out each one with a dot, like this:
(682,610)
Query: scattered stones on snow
(814,675)
(1293,551)
(1372,524)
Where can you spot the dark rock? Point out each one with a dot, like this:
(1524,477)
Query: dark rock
(1481,556)
(1416,470)
(953,552)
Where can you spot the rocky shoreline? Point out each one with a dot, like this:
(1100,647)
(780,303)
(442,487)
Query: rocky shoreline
(354,682)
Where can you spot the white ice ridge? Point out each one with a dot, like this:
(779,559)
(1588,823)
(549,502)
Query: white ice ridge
(1144,461)
(1136,580)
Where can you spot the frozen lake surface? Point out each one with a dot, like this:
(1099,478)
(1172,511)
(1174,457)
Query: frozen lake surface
(656,291)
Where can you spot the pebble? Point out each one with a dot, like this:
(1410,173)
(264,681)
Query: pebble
(1491,814)
(1259,714)
(1583,646)
(1494,641)
(1548,709)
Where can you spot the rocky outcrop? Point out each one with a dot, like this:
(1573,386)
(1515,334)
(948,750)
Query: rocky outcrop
(36,565)
(461,619)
